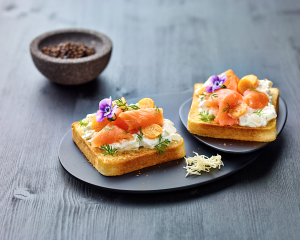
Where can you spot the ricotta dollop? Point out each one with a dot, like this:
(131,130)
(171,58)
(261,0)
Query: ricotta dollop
(88,132)
(251,119)
(265,86)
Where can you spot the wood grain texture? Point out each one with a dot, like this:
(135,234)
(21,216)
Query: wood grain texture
(158,46)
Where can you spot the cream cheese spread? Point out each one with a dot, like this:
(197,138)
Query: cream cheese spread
(88,131)
(250,119)
(265,86)
(169,132)
(202,107)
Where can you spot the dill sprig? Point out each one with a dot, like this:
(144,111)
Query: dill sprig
(125,106)
(259,112)
(203,96)
(162,145)
(227,108)
(223,86)
(213,95)
(83,123)
(140,136)
(157,110)
(108,150)
(205,117)
(109,128)
(134,107)
(125,132)
(120,103)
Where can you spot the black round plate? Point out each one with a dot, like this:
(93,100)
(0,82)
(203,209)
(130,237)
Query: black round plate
(234,146)
(160,178)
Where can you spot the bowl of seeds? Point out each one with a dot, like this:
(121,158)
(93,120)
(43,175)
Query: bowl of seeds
(71,56)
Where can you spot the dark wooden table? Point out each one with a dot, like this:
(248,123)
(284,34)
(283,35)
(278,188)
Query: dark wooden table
(158,47)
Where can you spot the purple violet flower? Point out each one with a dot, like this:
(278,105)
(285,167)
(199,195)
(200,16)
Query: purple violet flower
(105,109)
(215,82)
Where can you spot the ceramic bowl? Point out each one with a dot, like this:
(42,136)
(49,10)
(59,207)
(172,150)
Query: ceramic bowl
(71,71)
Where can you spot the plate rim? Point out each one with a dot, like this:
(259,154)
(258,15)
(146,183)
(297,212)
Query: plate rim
(155,190)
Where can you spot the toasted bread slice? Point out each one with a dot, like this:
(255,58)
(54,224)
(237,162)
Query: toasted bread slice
(214,130)
(127,161)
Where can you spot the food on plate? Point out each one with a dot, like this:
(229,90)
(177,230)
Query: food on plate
(229,108)
(196,164)
(122,138)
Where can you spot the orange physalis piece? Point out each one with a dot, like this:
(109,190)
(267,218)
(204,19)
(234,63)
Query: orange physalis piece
(238,110)
(146,103)
(249,81)
(152,131)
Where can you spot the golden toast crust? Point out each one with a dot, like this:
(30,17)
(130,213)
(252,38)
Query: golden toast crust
(214,130)
(127,161)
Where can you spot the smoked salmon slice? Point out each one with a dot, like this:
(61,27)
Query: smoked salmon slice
(225,100)
(98,126)
(120,122)
(232,80)
(256,99)
(110,134)
(214,100)
(142,117)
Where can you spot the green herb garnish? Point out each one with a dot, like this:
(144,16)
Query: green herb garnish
(109,128)
(120,103)
(108,150)
(125,106)
(140,136)
(205,117)
(223,86)
(162,145)
(157,110)
(227,108)
(259,112)
(203,96)
(213,95)
(114,118)
(125,132)
(83,123)
(134,107)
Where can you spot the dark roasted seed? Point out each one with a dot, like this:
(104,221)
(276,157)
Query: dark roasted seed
(69,50)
